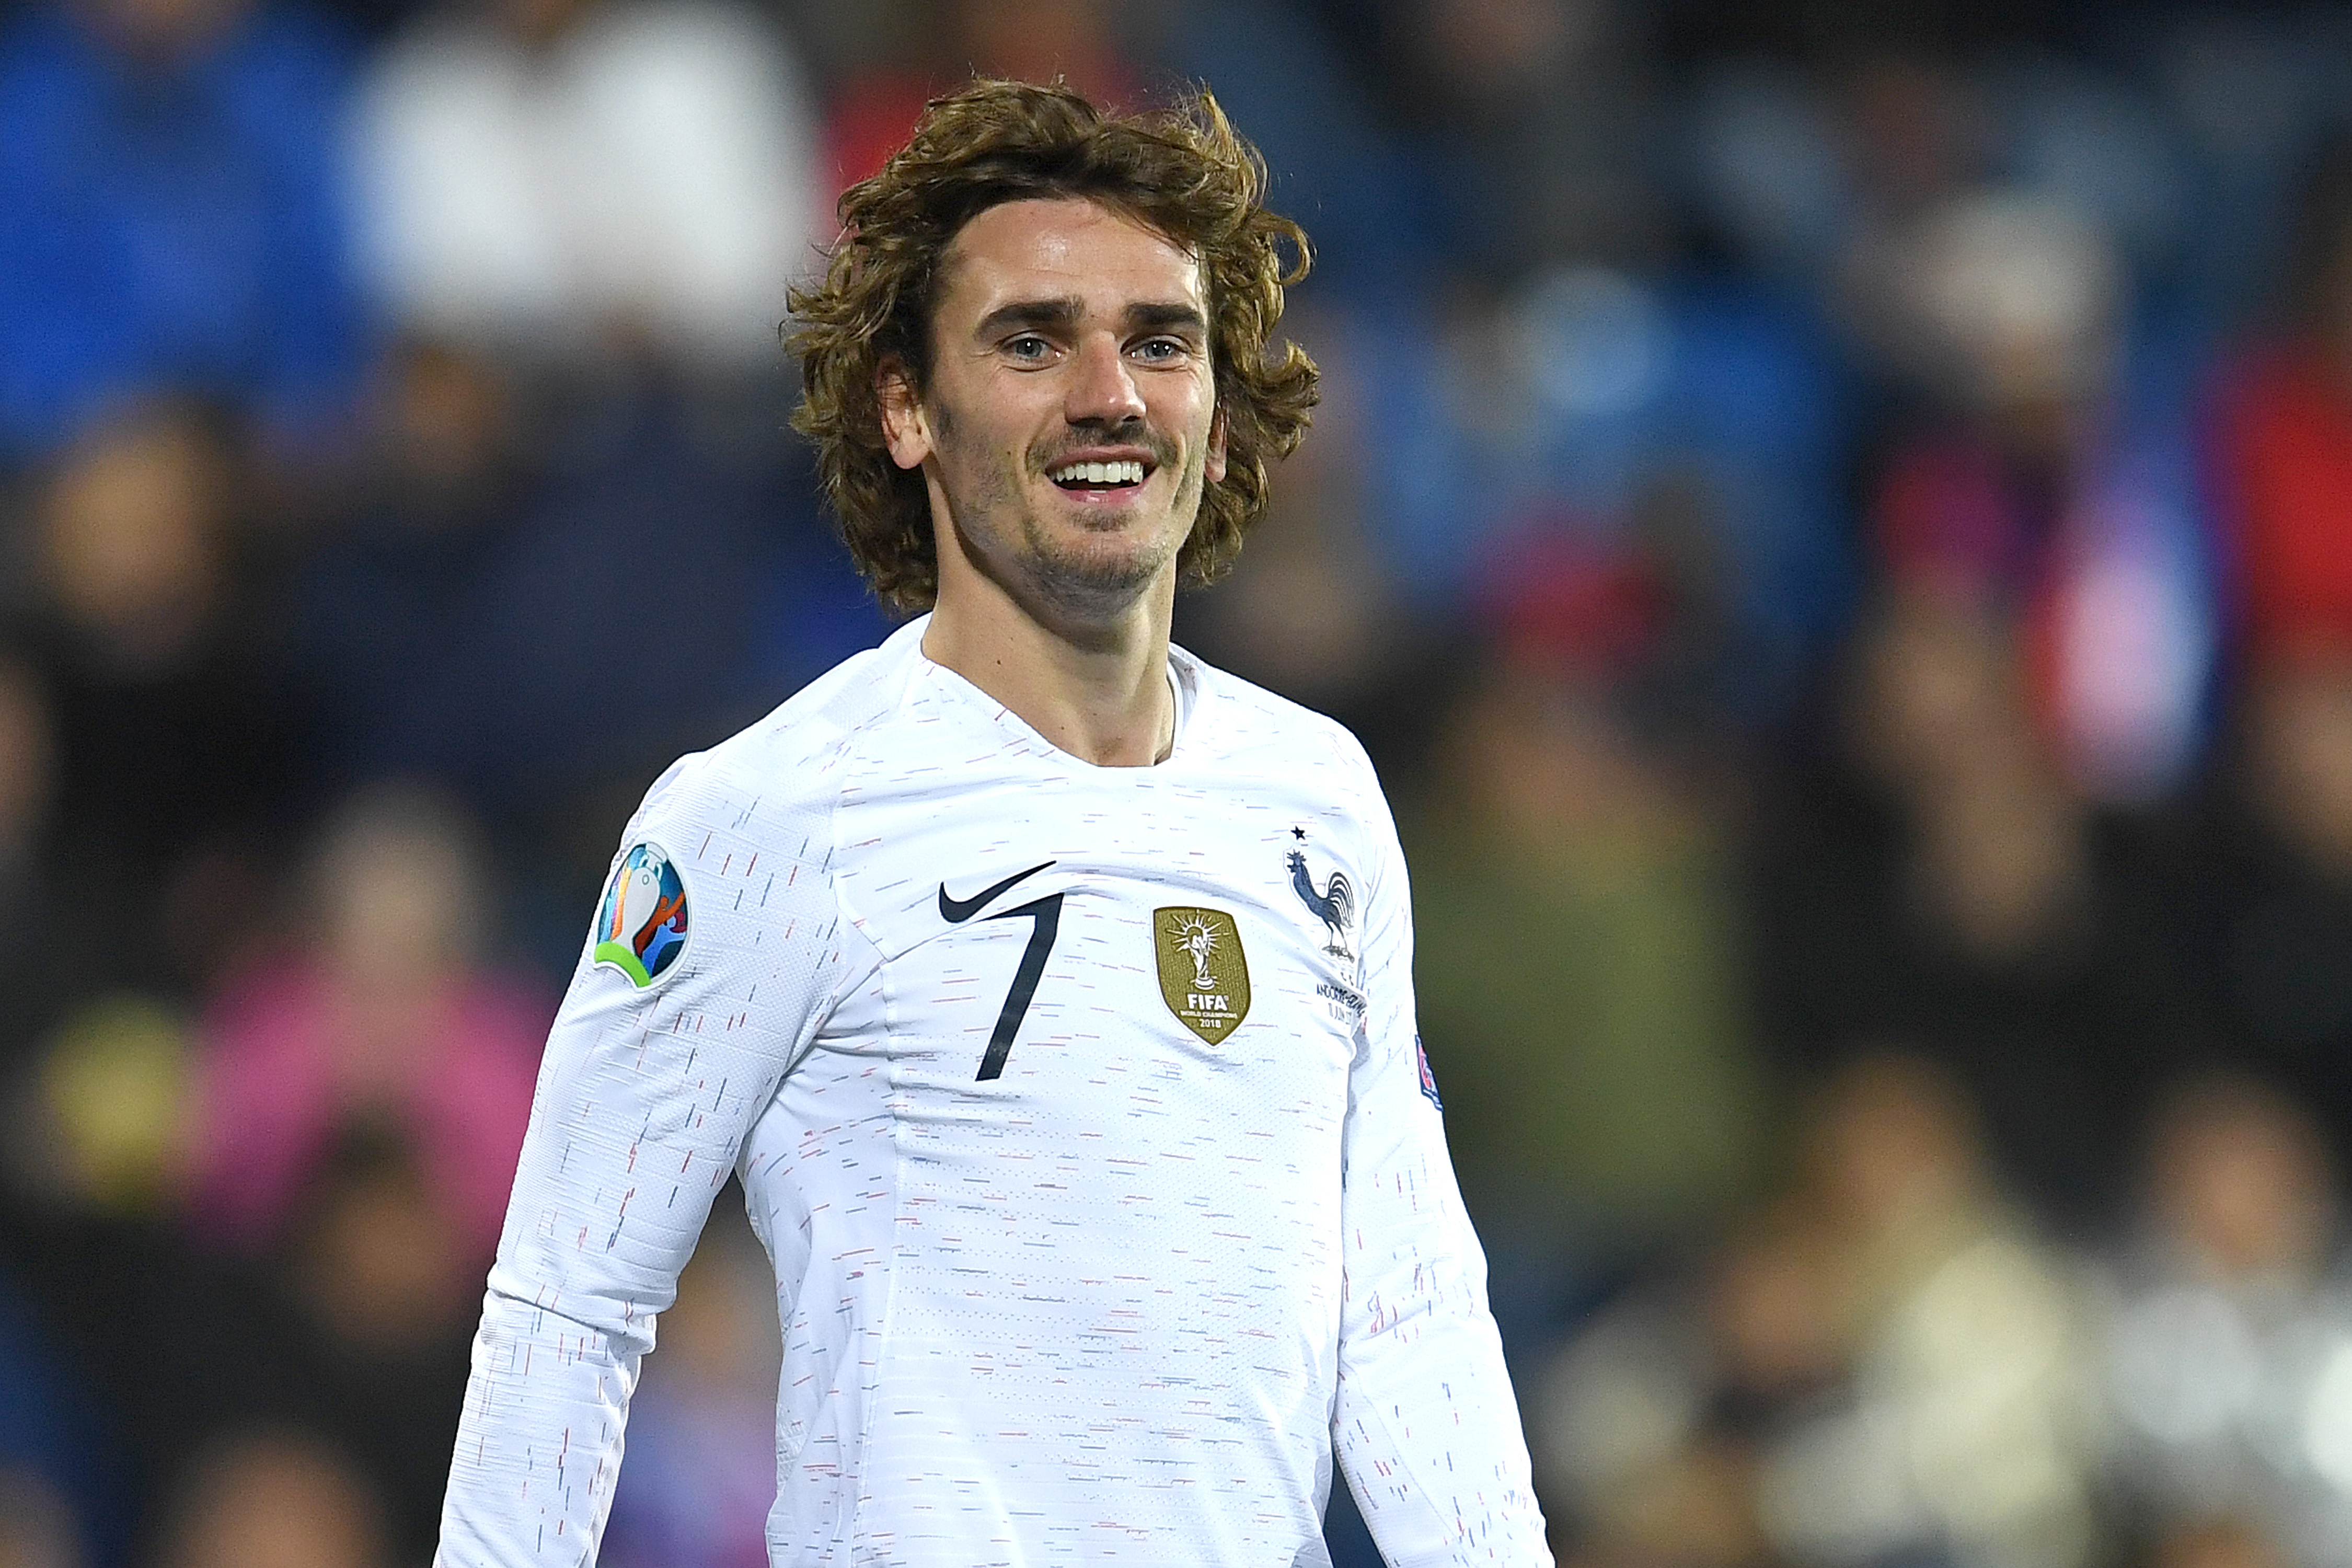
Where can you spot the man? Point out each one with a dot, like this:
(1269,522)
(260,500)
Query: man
(1049,990)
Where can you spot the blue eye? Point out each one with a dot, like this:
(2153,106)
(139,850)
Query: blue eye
(1028,347)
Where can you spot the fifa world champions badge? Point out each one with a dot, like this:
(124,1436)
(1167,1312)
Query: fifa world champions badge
(1203,973)
(641,929)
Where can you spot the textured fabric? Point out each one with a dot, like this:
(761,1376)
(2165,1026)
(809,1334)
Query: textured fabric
(1120,1298)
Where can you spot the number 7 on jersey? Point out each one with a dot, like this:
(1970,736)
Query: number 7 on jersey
(1046,914)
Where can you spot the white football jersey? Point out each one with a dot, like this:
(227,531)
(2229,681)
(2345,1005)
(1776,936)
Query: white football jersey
(1082,1113)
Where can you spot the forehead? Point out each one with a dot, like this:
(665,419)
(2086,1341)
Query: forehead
(1063,249)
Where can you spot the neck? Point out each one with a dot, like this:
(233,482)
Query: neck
(1099,691)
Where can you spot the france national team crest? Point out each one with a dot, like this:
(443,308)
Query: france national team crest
(1334,903)
(1203,976)
(641,930)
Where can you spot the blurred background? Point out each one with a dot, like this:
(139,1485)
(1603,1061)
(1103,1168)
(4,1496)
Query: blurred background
(1835,520)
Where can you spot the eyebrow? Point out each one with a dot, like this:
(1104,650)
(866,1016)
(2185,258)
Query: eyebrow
(1170,315)
(1066,311)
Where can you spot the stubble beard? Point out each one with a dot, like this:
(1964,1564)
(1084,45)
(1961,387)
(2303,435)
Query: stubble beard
(1075,583)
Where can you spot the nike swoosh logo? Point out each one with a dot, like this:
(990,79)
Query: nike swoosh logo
(957,910)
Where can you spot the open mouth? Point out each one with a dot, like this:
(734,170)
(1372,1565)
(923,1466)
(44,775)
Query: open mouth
(1094,478)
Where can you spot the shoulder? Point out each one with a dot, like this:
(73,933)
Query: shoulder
(789,765)
(1242,724)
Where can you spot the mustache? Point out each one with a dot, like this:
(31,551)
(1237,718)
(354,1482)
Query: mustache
(1161,448)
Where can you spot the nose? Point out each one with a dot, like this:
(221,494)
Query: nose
(1102,390)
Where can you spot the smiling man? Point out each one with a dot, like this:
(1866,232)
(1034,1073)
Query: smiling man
(1065,433)
(1049,990)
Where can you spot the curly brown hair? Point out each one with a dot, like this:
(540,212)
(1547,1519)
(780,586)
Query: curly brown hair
(1181,172)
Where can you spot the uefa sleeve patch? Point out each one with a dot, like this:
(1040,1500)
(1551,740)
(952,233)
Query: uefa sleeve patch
(1428,1078)
(641,928)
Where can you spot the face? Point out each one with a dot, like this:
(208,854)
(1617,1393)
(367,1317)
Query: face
(1070,424)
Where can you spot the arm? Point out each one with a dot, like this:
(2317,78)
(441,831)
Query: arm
(1425,1427)
(642,1100)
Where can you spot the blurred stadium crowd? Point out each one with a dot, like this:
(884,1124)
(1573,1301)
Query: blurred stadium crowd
(1836,526)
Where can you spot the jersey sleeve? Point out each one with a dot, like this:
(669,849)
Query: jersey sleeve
(648,1089)
(1425,1427)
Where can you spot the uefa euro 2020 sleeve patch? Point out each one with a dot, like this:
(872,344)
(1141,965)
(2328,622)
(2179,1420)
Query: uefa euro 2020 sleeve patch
(641,927)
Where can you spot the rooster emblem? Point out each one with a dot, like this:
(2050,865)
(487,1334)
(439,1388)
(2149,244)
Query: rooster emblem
(1335,905)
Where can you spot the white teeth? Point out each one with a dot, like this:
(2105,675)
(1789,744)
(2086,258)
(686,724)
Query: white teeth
(1125,472)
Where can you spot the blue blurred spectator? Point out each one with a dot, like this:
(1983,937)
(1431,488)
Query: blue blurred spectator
(171,215)
(1538,122)
(2086,140)
(1763,174)
(521,611)
(1589,404)
(1363,197)
(2251,89)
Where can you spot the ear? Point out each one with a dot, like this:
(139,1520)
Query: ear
(906,428)
(1213,469)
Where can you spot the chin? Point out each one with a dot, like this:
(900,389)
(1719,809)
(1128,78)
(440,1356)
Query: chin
(1105,579)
